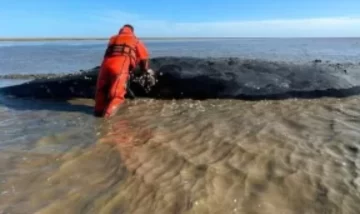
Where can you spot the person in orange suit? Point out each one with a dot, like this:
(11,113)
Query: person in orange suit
(124,52)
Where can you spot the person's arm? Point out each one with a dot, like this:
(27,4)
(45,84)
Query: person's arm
(143,56)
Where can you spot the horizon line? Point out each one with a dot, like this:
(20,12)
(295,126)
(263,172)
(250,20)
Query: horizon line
(14,39)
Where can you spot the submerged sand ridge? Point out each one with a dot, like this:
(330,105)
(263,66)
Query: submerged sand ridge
(210,78)
(228,156)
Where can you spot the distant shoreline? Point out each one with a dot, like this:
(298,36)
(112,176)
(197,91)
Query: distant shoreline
(39,39)
(103,38)
(47,39)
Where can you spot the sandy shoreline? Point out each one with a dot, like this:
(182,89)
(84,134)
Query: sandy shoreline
(186,157)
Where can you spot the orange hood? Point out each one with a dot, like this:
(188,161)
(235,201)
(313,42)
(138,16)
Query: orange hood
(125,30)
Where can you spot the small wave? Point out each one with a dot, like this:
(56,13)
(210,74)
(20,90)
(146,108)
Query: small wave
(52,43)
(22,43)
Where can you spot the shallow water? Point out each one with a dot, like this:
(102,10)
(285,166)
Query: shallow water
(185,156)
(215,156)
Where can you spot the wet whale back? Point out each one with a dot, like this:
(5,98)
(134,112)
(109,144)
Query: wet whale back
(200,78)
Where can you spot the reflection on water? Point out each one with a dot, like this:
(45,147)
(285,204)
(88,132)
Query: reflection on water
(215,156)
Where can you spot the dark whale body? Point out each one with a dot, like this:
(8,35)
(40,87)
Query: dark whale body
(208,78)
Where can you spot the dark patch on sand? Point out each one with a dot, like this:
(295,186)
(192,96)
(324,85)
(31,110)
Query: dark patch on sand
(352,149)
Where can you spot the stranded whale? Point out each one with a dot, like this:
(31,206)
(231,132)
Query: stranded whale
(208,78)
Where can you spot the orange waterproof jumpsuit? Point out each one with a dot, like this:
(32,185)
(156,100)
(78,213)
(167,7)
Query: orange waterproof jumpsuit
(123,53)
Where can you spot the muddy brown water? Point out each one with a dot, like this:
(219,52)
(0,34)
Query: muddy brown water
(185,156)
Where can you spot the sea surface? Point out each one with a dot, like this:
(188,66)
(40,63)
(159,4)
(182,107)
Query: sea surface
(179,156)
(63,56)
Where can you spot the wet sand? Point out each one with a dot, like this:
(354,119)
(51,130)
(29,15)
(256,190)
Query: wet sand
(229,156)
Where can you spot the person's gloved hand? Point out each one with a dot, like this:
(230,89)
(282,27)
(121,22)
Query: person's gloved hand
(147,80)
(151,77)
(150,72)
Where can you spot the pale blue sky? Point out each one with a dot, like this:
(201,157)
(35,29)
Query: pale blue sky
(243,18)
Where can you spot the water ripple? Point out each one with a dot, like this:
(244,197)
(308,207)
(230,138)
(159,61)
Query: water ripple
(293,156)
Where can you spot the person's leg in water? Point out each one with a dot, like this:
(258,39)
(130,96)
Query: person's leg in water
(102,91)
(117,91)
